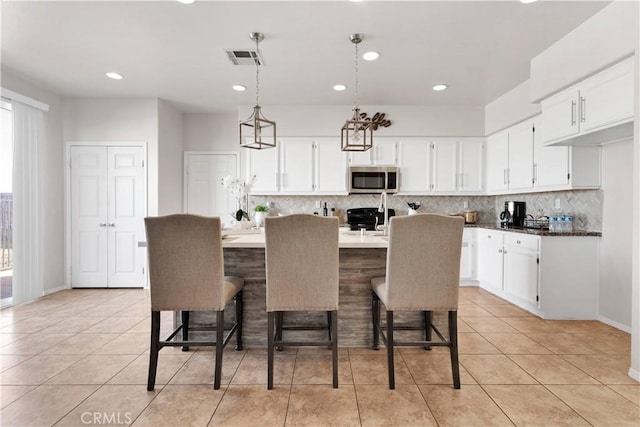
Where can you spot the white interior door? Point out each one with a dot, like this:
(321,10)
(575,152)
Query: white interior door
(108,206)
(204,192)
(89,217)
(126,211)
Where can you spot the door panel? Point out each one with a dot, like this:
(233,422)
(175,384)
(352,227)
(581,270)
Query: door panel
(88,217)
(127,209)
(205,193)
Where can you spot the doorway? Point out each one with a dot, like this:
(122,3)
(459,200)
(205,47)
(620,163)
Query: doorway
(6,204)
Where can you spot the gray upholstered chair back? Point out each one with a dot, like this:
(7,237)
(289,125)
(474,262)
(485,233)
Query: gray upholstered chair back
(302,263)
(186,268)
(423,262)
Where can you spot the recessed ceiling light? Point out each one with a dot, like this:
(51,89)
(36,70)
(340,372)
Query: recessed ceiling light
(185,1)
(439,87)
(239,88)
(371,56)
(339,88)
(115,76)
(528,1)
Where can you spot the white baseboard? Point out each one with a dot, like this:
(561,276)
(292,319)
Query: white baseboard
(54,290)
(614,324)
(634,374)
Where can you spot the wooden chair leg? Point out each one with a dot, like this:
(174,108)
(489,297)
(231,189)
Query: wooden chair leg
(453,337)
(270,335)
(154,349)
(185,329)
(375,313)
(334,349)
(390,368)
(239,308)
(428,319)
(219,348)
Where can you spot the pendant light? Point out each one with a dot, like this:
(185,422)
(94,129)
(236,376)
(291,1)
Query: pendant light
(257,132)
(357,132)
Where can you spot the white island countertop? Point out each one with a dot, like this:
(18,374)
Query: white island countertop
(346,239)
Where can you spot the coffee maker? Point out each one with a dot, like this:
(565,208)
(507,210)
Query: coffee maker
(513,214)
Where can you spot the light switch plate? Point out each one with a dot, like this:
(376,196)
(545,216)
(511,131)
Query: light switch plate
(557,205)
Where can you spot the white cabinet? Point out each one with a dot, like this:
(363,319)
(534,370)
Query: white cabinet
(414,166)
(520,169)
(457,166)
(330,167)
(521,262)
(498,162)
(299,166)
(470,166)
(383,153)
(490,259)
(599,102)
(444,166)
(296,166)
(468,255)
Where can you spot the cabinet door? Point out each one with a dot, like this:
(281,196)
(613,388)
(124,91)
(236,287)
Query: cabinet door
(560,116)
(296,166)
(490,260)
(607,98)
(470,170)
(330,167)
(521,273)
(414,166)
(361,158)
(444,164)
(550,164)
(385,152)
(520,171)
(497,162)
(264,165)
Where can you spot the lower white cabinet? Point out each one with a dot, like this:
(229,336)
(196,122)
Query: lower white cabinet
(468,255)
(554,277)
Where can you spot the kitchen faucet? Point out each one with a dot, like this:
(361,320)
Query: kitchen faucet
(382,207)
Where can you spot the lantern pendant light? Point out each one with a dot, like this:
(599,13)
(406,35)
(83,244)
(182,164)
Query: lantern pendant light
(257,132)
(357,132)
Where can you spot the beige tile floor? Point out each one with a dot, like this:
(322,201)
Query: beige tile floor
(80,357)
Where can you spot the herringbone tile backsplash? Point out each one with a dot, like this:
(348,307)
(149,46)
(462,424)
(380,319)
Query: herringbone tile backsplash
(585,205)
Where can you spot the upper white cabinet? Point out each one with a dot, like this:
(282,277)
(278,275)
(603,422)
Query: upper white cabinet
(470,166)
(498,162)
(299,166)
(510,159)
(444,166)
(414,166)
(600,102)
(383,153)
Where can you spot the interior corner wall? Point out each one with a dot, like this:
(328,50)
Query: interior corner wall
(509,109)
(170,161)
(616,241)
(602,40)
(53,172)
(117,120)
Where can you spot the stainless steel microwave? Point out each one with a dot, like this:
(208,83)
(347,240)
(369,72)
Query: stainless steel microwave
(373,179)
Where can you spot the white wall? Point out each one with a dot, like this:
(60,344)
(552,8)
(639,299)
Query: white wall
(406,120)
(509,109)
(170,161)
(616,241)
(210,132)
(602,40)
(117,120)
(52,170)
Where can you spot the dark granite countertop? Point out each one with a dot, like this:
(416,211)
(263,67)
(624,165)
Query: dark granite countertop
(534,231)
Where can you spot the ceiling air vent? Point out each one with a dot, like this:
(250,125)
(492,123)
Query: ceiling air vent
(244,57)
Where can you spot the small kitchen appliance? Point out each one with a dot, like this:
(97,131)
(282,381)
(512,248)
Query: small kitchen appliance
(367,218)
(373,179)
(513,215)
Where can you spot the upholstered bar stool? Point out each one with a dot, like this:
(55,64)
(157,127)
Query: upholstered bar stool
(423,274)
(302,275)
(186,272)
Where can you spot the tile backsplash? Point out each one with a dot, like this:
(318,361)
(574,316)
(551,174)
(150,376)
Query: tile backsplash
(585,205)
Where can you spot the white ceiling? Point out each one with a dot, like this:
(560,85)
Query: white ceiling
(176,52)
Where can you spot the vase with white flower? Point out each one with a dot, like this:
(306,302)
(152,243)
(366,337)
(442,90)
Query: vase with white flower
(240,191)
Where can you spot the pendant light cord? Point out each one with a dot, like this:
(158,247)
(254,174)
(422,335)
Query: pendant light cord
(257,61)
(356,67)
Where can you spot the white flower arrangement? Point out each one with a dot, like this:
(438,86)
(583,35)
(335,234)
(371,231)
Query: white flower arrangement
(240,190)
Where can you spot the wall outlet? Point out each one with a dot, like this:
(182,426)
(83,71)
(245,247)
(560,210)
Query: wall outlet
(557,203)
(318,204)
(465,204)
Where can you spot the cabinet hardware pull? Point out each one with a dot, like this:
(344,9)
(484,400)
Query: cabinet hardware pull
(573,113)
(583,108)
(518,241)
(112,225)
(103,224)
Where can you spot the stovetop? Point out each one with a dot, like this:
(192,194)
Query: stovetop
(358,218)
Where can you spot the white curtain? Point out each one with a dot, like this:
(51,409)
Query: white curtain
(28,128)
